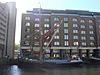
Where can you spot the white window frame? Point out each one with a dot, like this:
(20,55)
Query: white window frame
(91,38)
(26,43)
(92,43)
(75,37)
(65,18)
(66,37)
(65,30)
(27,29)
(46,25)
(56,43)
(65,24)
(90,21)
(83,32)
(74,19)
(36,25)
(45,31)
(66,43)
(37,30)
(83,38)
(28,24)
(91,32)
(82,26)
(75,43)
(83,43)
(91,26)
(27,18)
(75,25)
(56,37)
(75,31)
(56,19)
(46,19)
(82,21)
(36,43)
(37,19)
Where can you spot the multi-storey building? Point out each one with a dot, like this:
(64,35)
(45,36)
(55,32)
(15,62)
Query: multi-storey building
(79,33)
(7,28)
(3,25)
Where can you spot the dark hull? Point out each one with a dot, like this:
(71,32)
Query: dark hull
(92,61)
(49,65)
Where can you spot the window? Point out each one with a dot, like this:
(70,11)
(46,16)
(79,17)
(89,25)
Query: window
(37,30)
(75,43)
(56,37)
(74,19)
(65,36)
(36,25)
(45,31)
(46,25)
(75,37)
(99,26)
(35,37)
(90,26)
(66,43)
(75,31)
(65,19)
(98,20)
(46,19)
(82,21)
(91,38)
(92,43)
(83,43)
(27,36)
(36,43)
(65,24)
(37,19)
(75,25)
(27,24)
(83,32)
(90,21)
(56,19)
(65,30)
(91,32)
(27,18)
(83,38)
(26,42)
(56,24)
(82,26)
(56,43)
(27,30)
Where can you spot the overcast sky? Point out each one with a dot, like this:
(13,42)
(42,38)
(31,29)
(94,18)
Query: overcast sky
(23,5)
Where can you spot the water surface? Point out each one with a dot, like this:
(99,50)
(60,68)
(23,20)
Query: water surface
(15,70)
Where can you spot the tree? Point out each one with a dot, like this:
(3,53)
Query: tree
(17,46)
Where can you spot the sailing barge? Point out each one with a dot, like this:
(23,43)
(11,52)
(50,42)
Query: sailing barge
(42,52)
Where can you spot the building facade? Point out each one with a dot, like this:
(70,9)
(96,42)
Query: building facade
(3,27)
(7,28)
(79,33)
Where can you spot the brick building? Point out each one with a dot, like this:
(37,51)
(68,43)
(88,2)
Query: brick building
(79,33)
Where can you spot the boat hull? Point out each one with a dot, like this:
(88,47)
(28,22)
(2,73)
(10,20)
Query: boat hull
(92,61)
(49,64)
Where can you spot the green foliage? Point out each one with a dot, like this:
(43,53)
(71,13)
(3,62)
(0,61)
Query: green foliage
(17,46)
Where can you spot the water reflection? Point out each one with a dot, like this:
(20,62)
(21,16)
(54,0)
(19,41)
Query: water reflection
(15,70)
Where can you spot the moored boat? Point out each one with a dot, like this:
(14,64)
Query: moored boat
(92,60)
(50,63)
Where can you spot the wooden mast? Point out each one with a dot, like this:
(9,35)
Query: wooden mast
(41,36)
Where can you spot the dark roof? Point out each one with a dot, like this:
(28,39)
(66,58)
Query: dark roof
(79,12)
